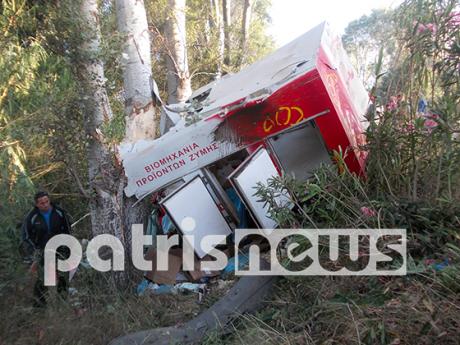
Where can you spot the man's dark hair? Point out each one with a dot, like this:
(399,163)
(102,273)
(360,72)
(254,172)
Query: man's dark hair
(39,195)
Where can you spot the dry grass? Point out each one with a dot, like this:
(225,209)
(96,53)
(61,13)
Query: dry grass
(95,315)
(418,309)
(353,310)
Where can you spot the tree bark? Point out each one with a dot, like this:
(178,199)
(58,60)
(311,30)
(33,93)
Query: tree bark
(178,77)
(245,24)
(139,105)
(217,24)
(226,10)
(137,70)
(104,175)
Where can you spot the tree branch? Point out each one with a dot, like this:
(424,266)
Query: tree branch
(72,172)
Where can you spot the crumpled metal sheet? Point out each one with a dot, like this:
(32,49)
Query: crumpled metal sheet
(309,76)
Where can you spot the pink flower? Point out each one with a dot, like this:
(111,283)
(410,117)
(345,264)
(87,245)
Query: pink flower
(432,116)
(429,262)
(427,27)
(409,128)
(432,27)
(368,212)
(420,28)
(429,125)
(393,103)
(454,19)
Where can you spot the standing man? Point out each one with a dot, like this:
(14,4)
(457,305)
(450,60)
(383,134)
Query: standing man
(43,222)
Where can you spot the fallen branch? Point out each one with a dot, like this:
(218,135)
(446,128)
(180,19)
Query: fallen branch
(245,296)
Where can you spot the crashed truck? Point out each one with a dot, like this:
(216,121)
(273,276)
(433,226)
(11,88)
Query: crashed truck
(282,115)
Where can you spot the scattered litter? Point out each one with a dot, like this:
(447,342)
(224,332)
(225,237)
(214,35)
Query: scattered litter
(437,266)
(243,261)
(190,287)
(167,225)
(142,286)
(160,289)
(180,277)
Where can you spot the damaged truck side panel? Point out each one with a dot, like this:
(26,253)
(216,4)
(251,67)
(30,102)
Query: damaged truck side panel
(310,78)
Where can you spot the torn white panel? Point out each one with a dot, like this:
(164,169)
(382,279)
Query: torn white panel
(130,149)
(155,92)
(172,156)
(126,148)
(261,79)
(272,72)
(168,119)
(204,91)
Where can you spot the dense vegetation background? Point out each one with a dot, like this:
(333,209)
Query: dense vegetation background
(408,57)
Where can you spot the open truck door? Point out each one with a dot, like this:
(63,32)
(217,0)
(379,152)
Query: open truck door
(299,150)
(194,211)
(257,169)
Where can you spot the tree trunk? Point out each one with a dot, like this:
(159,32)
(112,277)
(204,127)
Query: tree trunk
(226,8)
(246,22)
(105,200)
(217,23)
(179,88)
(137,70)
(139,105)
